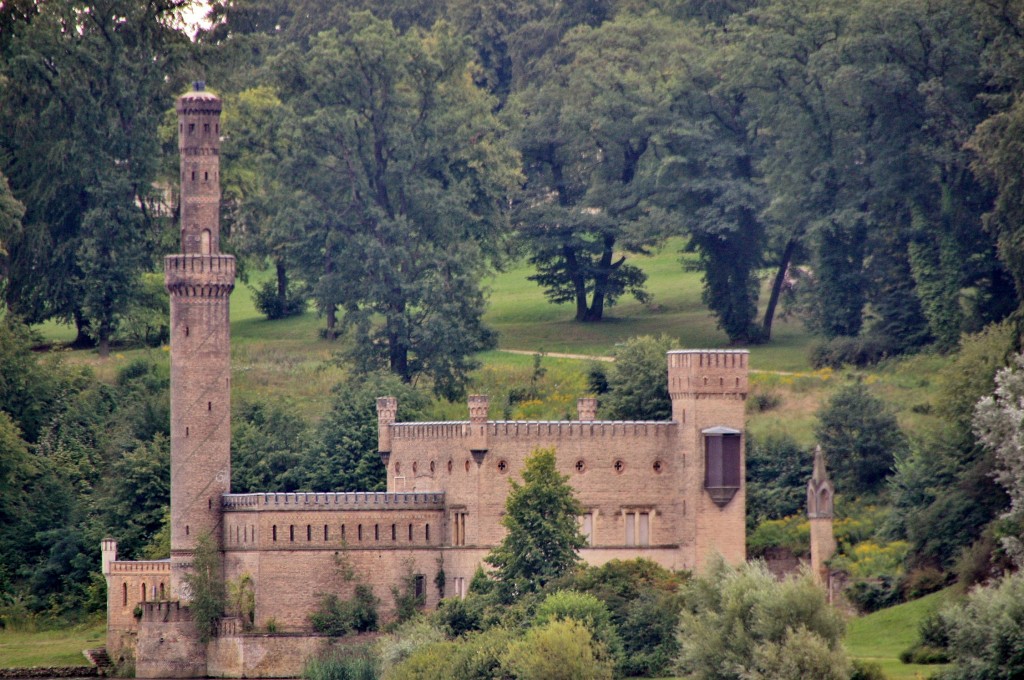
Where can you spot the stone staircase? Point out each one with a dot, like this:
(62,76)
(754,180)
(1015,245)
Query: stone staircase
(99,659)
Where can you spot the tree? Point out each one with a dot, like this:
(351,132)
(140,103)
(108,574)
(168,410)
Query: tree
(587,134)
(999,424)
(985,632)
(861,438)
(637,389)
(405,177)
(559,650)
(11,212)
(777,472)
(741,622)
(543,539)
(205,583)
(85,85)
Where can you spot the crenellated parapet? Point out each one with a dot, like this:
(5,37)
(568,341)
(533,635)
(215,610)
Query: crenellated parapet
(720,374)
(540,429)
(141,567)
(351,500)
(199,276)
(387,412)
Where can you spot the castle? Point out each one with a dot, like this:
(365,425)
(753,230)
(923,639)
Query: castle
(669,491)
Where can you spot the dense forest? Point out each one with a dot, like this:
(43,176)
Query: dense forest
(382,158)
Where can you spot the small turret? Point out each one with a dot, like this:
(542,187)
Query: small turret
(387,412)
(586,409)
(108,554)
(476,434)
(820,495)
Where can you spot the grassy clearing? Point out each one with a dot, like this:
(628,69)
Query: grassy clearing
(24,649)
(881,636)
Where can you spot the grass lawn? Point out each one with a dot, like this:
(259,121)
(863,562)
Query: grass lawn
(62,647)
(881,636)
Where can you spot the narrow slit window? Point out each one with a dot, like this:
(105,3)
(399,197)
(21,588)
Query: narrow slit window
(426,531)
(291,532)
(326,537)
(410,532)
(309,532)
(273,533)
(124,594)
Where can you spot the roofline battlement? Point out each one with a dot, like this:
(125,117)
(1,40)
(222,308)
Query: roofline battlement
(346,500)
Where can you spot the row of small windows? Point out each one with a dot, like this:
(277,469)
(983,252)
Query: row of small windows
(206,176)
(619,466)
(192,128)
(394,533)
(156,592)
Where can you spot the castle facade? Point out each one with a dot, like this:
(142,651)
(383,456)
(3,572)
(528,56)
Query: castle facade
(669,491)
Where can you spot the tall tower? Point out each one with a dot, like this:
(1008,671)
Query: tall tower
(820,495)
(200,280)
(708,390)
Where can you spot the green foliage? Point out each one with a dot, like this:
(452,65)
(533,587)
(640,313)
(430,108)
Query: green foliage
(586,609)
(405,640)
(791,533)
(336,617)
(268,440)
(984,632)
(339,662)
(740,621)
(777,473)
(272,305)
(543,537)
(407,602)
(207,597)
(559,650)
(241,598)
(861,439)
(475,657)
(862,351)
(637,387)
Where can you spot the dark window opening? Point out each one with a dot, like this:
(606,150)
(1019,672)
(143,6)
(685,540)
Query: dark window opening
(427,532)
(342,532)
(420,585)
(722,465)
(410,532)
(273,533)
(186,530)
(124,594)
(394,536)
(359,532)
(309,532)
(376,532)
(209,406)
(143,592)
(191,128)
(291,532)
(325,532)
(206,127)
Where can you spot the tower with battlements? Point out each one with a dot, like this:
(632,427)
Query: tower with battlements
(200,280)
(820,500)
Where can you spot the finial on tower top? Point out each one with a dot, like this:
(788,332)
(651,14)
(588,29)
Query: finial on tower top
(820,474)
(199,85)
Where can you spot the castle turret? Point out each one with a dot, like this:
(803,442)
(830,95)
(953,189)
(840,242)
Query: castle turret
(200,280)
(820,499)
(586,409)
(108,554)
(387,412)
(708,390)
(476,435)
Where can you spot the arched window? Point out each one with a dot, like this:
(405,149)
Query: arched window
(143,585)
(204,242)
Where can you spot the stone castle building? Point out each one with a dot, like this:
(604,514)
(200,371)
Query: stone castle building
(669,491)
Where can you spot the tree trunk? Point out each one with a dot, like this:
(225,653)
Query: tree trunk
(780,278)
(331,332)
(605,270)
(83,339)
(282,283)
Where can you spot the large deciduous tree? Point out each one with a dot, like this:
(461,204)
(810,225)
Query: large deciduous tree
(587,129)
(405,176)
(84,86)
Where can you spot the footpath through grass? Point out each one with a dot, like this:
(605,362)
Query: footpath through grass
(60,647)
(881,636)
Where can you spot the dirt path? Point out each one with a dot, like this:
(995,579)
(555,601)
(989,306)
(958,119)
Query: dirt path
(591,357)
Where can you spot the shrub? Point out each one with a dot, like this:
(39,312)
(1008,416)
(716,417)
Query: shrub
(985,632)
(337,617)
(922,581)
(476,657)
(342,663)
(866,670)
(741,622)
(860,351)
(588,610)
(792,533)
(273,306)
(759,402)
(869,596)
(559,650)
(405,641)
